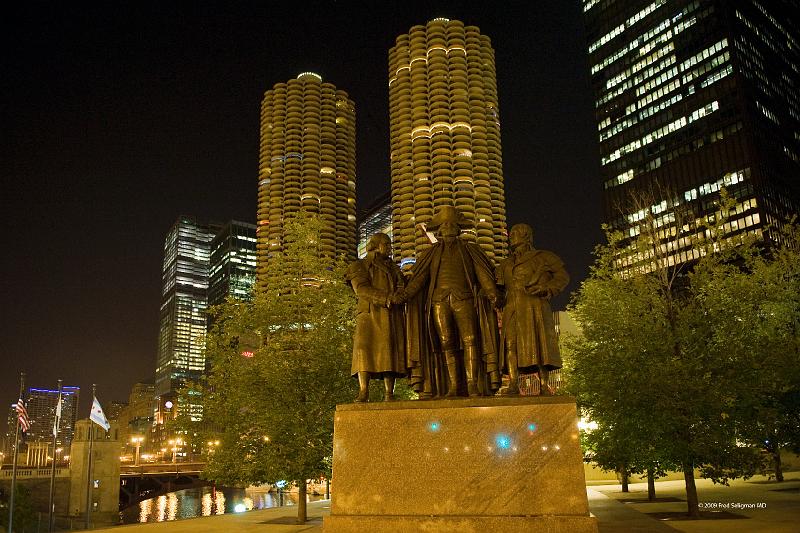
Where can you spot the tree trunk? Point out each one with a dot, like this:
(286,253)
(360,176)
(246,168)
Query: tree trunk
(623,474)
(302,490)
(776,461)
(651,485)
(691,491)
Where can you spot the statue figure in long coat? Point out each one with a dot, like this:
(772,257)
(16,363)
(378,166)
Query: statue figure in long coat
(378,343)
(452,326)
(528,339)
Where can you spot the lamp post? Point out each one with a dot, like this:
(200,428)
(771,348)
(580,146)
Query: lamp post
(137,441)
(175,443)
(212,445)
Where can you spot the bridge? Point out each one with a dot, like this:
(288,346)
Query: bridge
(138,483)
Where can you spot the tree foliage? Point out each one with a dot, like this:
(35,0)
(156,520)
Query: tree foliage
(274,405)
(687,368)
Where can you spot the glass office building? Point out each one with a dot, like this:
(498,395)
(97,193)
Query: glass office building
(41,405)
(693,96)
(184,301)
(233,263)
(377,218)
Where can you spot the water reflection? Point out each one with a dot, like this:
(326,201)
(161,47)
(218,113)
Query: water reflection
(206,501)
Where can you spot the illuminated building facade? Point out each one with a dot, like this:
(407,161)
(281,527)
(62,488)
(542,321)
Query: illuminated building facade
(445,135)
(307,162)
(41,405)
(233,263)
(184,300)
(377,218)
(693,96)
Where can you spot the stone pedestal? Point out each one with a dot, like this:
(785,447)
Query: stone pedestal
(467,465)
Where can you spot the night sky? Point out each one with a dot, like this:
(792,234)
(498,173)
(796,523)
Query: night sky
(119,117)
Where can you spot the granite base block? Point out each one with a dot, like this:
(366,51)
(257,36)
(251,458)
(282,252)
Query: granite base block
(459,524)
(477,464)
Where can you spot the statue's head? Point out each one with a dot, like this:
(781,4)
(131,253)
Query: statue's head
(520,236)
(447,222)
(381,244)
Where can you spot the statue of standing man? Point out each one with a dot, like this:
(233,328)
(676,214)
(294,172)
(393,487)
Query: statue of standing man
(378,343)
(531,277)
(452,324)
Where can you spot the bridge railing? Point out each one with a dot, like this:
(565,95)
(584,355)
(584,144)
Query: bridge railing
(24,472)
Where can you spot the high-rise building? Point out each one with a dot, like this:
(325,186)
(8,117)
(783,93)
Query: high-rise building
(692,96)
(184,300)
(137,417)
(445,135)
(41,405)
(307,162)
(377,218)
(233,263)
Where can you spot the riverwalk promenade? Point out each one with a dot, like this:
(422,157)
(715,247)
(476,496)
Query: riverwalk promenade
(757,505)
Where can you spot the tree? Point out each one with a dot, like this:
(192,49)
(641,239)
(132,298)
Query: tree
(24,513)
(663,364)
(751,296)
(279,366)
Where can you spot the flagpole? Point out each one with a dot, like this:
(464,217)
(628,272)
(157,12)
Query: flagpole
(89,463)
(56,423)
(16,453)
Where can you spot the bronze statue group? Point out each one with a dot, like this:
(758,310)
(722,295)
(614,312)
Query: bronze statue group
(457,324)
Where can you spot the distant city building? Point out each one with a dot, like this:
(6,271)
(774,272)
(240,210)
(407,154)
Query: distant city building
(377,218)
(184,301)
(137,417)
(114,409)
(203,264)
(41,405)
(307,162)
(233,263)
(692,96)
(444,126)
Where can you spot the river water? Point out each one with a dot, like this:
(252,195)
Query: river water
(205,501)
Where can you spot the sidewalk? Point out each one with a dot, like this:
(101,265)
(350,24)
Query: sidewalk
(752,505)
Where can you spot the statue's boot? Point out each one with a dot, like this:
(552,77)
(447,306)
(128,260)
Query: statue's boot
(363,387)
(388,383)
(452,375)
(513,376)
(544,383)
(472,366)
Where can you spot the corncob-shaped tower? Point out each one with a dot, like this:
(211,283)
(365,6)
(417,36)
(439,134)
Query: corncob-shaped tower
(307,162)
(445,135)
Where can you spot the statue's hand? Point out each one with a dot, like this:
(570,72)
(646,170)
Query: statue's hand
(496,300)
(399,297)
(499,302)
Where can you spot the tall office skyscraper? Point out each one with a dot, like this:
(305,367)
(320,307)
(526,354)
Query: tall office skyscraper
(445,135)
(184,300)
(41,405)
(307,162)
(375,218)
(692,96)
(233,263)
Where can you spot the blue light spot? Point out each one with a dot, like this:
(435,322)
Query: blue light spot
(531,427)
(434,426)
(503,442)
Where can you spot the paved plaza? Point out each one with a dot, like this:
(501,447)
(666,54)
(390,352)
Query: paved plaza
(753,505)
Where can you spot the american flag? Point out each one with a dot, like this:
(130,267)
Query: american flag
(22,416)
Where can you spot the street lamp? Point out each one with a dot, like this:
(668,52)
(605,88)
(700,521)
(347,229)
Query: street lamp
(137,441)
(175,443)
(212,444)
